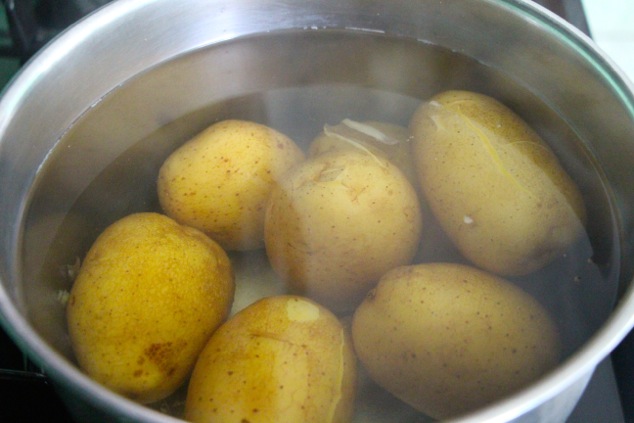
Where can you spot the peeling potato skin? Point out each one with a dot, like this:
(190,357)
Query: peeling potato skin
(495,187)
(281,359)
(337,223)
(148,295)
(399,154)
(448,338)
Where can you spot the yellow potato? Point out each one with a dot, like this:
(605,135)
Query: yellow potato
(219,181)
(393,142)
(338,222)
(448,338)
(495,187)
(380,138)
(148,295)
(281,359)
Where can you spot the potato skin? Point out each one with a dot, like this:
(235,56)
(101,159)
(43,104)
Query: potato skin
(400,154)
(495,187)
(219,180)
(147,297)
(449,338)
(337,223)
(281,359)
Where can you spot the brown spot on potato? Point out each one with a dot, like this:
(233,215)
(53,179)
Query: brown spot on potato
(162,355)
(371,295)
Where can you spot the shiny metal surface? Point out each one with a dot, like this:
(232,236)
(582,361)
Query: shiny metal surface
(138,43)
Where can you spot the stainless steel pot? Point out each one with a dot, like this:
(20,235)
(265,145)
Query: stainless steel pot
(85,123)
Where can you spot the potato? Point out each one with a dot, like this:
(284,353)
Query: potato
(148,295)
(449,338)
(337,223)
(495,187)
(219,181)
(380,138)
(394,143)
(281,359)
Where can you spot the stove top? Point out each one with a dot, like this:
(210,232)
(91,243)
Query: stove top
(26,394)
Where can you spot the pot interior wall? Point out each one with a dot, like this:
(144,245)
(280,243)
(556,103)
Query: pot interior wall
(105,165)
